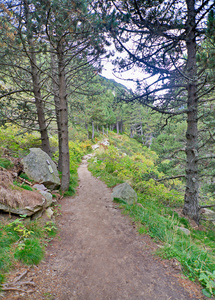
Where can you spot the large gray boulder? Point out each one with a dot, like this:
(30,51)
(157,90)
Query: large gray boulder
(40,168)
(16,200)
(124,192)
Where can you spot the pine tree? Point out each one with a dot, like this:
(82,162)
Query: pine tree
(69,30)
(161,38)
(21,63)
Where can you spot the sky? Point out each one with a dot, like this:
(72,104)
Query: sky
(134,73)
(108,72)
(108,69)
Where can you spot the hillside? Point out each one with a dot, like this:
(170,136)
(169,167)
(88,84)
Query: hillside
(158,212)
(98,254)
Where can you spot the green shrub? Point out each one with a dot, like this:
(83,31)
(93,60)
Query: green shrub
(51,228)
(17,142)
(30,252)
(138,169)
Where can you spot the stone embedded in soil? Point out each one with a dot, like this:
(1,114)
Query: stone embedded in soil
(125,192)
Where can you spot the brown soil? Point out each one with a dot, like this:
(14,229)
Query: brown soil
(98,255)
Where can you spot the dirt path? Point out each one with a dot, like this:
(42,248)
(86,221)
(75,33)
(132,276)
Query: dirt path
(99,256)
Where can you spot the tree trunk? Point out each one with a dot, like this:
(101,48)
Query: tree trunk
(63,118)
(103,130)
(40,110)
(149,141)
(36,85)
(191,204)
(107,130)
(121,126)
(93,130)
(131,134)
(86,127)
(57,106)
(141,129)
(117,127)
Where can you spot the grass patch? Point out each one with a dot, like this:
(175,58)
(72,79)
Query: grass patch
(30,252)
(195,257)
(24,176)
(5,163)
(23,240)
(110,179)
(23,186)
(72,185)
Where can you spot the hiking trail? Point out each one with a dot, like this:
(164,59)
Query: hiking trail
(98,255)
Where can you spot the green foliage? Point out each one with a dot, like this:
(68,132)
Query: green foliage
(130,146)
(72,185)
(30,252)
(76,151)
(12,138)
(19,227)
(23,240)
(208,280)
(2,278)
(7,239)
(23,186)
(18,142)
(169,144)
(24,176)
(51,228)
(77,134)
(138,168)
(161,223)
(5,163)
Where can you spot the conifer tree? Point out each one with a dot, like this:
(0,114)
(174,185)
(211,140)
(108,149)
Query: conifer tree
(161,38)
(69,28)
(21,63)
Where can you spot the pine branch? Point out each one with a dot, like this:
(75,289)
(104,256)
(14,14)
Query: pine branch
(14,92)
(206,206)
(171,177)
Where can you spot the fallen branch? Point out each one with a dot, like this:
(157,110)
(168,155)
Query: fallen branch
(16,285)
(21,276)
(27,283)
(25,181)
(12,289)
